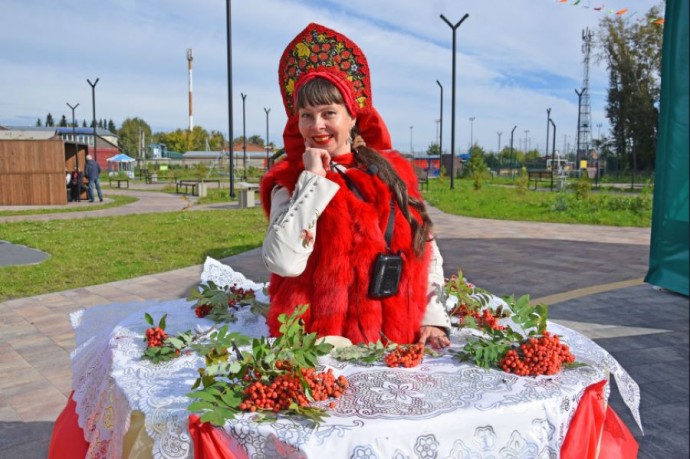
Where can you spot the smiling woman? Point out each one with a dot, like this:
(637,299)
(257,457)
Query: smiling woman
(349,233)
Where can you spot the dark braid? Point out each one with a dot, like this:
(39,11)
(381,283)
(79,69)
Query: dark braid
(421,233)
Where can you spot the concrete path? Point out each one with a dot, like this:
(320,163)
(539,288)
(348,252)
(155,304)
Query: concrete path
(590,275)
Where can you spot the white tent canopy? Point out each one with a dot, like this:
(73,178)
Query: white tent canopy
(121,163)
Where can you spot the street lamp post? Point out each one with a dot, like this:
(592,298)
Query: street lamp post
(93,99)
(577,149)
(598,150)
(74,137)
(511,151)
(231,150)
(244,138)
(565,146)
(599,134)
(525,144)
(553,150)
(267,110)
(546,145)
(452,115)
(499,134)
(440,135)
(472,118)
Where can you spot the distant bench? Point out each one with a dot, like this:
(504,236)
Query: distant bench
(192,185)
(118,181)
(539,176)
(423,178)
(155,178)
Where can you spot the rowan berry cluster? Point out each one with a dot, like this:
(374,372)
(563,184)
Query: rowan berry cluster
(487,319)
(484,318)
(460,310)
(203,310)
(155,337)
(238,295)
(287,388)
(405,355)
(537,356)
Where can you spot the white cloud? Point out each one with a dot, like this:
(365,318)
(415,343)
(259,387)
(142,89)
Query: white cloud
(514,59)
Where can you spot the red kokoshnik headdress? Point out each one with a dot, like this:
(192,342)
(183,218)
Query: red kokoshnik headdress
(319,52)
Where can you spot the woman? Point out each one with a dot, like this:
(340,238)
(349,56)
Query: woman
(341,178)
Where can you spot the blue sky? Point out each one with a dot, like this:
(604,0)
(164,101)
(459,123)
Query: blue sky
(515,59)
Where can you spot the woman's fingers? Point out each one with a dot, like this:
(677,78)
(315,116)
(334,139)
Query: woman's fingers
(434,337)
(316,160)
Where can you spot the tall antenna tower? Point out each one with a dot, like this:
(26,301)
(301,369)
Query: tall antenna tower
(584,129)
(189,68)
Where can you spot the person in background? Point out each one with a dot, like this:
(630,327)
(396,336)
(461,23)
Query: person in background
(68,179)
(77,184)
(342,178)
(92,170)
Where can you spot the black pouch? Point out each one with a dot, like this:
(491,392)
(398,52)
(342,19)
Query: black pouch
(385,275)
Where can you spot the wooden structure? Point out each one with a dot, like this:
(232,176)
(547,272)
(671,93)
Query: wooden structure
(32,172)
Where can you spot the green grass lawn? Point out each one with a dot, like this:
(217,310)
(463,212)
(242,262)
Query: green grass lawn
(97,250)
(502,201)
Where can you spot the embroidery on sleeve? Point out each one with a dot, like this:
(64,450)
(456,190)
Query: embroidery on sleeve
(308,235)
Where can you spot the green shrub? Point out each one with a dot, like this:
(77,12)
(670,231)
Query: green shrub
(561,203)
(476,169)
(582,186)
(522,181)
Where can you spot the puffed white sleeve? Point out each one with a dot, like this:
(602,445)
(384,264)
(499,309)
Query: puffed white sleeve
(293,220)
(436,314)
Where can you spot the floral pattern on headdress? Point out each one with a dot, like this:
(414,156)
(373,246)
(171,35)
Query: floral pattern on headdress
(320,49)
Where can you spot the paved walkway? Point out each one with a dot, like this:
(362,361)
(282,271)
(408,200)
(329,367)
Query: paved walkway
(590,275)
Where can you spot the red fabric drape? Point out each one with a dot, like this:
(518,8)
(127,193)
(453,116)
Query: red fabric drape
(67,441)
(207,442)
(617,442)
(596,428)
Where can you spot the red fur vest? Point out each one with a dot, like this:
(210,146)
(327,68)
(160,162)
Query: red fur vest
(349,237)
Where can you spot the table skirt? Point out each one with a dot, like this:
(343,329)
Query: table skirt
(596,432)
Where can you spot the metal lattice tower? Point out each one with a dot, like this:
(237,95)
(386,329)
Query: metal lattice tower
(585,116)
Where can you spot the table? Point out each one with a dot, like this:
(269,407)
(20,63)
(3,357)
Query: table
(442,408)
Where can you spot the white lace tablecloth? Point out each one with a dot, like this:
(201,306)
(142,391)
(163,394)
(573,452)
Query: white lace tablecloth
(442,408)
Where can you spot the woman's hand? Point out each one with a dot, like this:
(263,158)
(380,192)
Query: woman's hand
(434,336)
(316,160)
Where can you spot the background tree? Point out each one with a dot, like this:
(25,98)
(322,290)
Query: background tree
(111,127)
(632,52)
(532,156)
(256,140)
(49,120)
(434,149)
(216,141)
(493,160)
(182,140)
(130,136)
(39,123)
(63,121)
(476,166)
